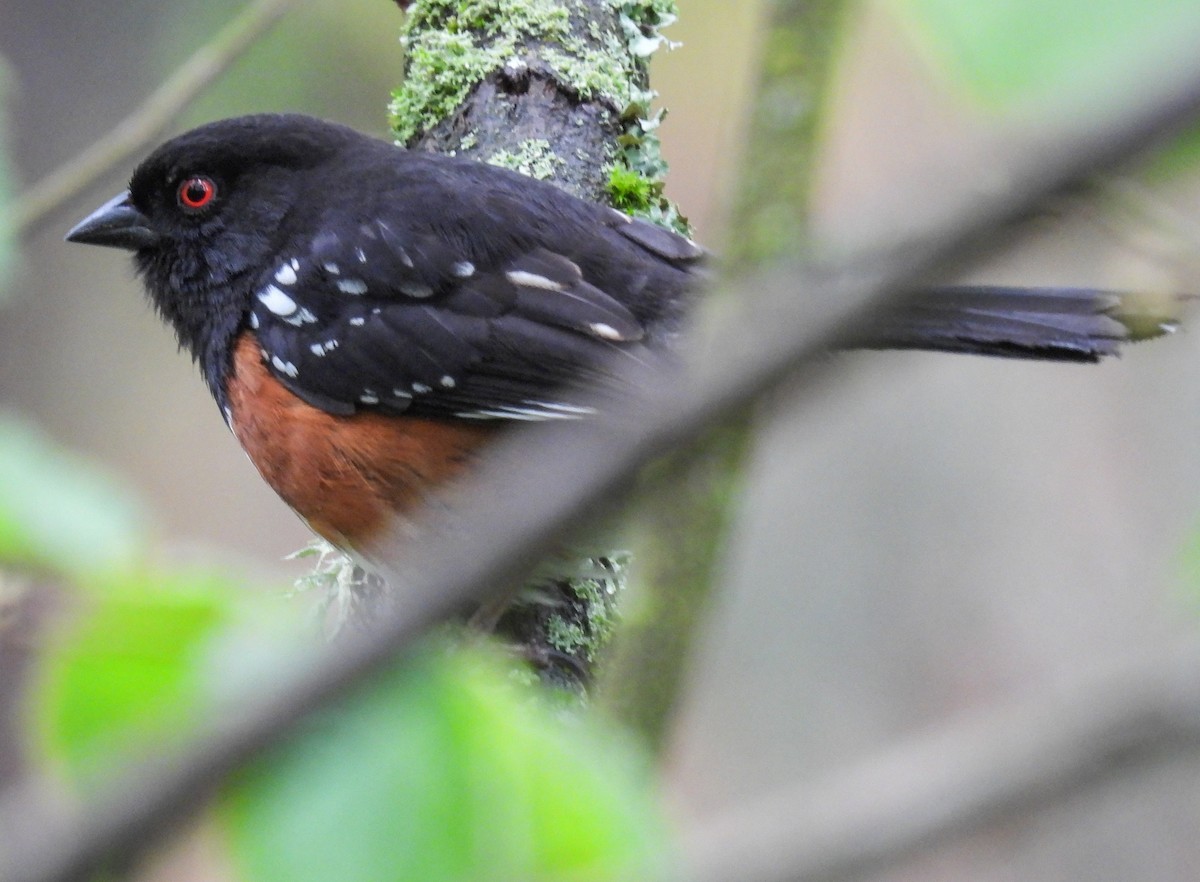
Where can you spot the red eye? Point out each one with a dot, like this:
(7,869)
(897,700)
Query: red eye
(195,193)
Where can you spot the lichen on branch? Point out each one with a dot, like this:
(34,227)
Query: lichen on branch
(503,80)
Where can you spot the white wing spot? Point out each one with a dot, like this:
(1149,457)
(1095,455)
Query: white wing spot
(318,349)
(415,289)
(361,255)
(276,301)
(606,332)
(304,316)
(254,320)
(448,381)
(508,413)
(352,286)
(286,275)
(421,388)
(568,409)
(332,268)
(358,321)
(368,397)
(533,280)
(535,413)
(400,393)
(404,258)
(464,269)
(295,262)
(284,367)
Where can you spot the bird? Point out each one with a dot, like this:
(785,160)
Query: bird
(368,318)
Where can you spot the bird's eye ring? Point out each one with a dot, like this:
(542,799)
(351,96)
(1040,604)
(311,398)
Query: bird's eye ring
(197,192)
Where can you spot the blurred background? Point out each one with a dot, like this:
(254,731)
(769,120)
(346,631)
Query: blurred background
(932,533)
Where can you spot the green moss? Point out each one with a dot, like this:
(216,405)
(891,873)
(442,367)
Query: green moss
(453,45)
(628,190)
(584,631)
(637,181)
(567,637)
(535,158)
(442,67)
(603,73)
(469,140)
(601,594)
(638,177)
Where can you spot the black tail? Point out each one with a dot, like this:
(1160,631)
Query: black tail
(1062,324)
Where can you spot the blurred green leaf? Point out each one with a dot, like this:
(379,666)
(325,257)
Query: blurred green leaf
(144,657)
(59,512)
(128,670)
(1069,52)
(439,772)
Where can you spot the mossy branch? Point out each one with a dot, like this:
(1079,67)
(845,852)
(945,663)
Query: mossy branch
(558,91)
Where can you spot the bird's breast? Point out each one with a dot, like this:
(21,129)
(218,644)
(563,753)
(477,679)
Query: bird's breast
(348,477)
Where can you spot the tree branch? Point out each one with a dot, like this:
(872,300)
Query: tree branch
(572,466)
(558,92)
(992,766)
(136,132)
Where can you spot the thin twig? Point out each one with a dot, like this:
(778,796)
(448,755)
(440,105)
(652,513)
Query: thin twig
(994,765)
(132,135)
(537,486)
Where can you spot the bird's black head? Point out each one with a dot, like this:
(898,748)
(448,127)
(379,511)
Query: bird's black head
(207,211)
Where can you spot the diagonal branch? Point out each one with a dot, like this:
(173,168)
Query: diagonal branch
(132,135)
(992,766)
(569,467)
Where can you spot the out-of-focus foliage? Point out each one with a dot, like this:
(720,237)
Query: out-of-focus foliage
(441,771)
(58,512)
(1069,54)
(134,668)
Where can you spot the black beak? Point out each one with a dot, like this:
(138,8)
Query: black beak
(116,224)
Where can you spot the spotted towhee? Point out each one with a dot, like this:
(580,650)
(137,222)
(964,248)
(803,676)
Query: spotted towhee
(366,317)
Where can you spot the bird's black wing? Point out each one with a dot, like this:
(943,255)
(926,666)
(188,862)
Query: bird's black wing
(378,315)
